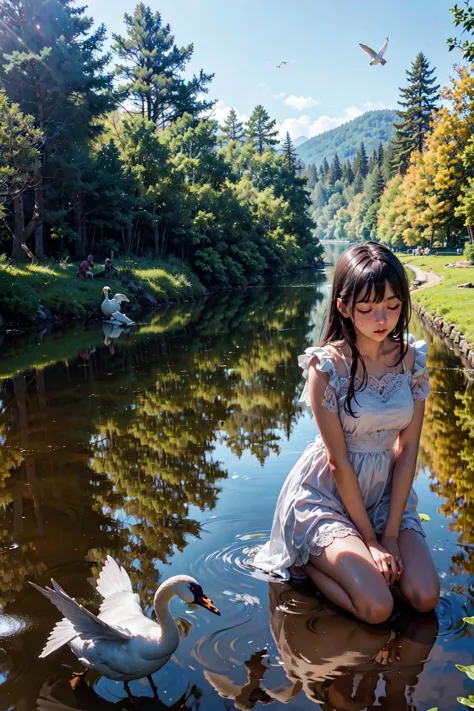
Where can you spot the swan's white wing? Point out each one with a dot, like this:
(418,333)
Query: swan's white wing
(383,48)
(113,578)
(120,298)
(84,622)
(62,633)
(121,606)
(118,316)
(369,51)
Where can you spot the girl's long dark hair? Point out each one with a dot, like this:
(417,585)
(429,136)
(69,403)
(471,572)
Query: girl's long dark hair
(358,270)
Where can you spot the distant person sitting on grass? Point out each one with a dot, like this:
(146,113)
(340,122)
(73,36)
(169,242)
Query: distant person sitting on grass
(86,266)
(109,269)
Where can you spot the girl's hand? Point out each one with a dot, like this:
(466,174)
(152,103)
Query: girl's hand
(385,561)
(390,543)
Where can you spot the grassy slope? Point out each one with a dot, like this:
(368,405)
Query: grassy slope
(58,288)
(445,299)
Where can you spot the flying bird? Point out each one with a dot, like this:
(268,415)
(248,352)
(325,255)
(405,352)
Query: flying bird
(279,66)
(377,57)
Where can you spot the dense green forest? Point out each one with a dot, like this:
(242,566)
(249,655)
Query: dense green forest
(371,128)
(417,189)
(117,150)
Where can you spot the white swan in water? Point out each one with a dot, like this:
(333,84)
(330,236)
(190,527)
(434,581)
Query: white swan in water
(111,307)
(121,643)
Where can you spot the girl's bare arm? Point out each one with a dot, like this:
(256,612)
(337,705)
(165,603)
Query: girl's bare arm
(404,470)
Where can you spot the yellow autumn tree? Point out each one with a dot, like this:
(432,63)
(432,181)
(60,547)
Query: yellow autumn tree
(435,180)
(392,218)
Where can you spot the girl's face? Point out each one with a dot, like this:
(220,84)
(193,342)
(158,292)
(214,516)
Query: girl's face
(371,320)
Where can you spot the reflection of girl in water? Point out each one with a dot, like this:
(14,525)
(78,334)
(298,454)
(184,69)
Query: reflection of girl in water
(335,660)
(340,661)
(346,516)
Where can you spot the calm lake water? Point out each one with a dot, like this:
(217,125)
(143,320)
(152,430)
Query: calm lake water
(166,446)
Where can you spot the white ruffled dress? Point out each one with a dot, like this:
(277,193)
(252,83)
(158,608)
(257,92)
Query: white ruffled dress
(309,513)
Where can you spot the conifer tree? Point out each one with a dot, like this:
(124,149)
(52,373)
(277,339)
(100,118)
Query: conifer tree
(361,163)
(347,173)
(335,171)
(358,184)
(153,69)
(261,129)
(50,64)
(233,129)
(418,101)
(311,174)
(290,153)
(324,170)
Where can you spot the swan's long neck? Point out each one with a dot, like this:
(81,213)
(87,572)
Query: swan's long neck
(161,604)
(106,295)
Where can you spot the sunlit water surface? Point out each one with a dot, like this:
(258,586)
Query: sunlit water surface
(166,447)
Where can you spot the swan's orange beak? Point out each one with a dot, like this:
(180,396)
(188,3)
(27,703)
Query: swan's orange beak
(204,601)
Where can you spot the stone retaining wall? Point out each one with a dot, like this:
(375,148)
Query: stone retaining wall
(449,332)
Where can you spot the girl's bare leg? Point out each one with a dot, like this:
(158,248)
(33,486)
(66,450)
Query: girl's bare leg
(346,573)
(419,584)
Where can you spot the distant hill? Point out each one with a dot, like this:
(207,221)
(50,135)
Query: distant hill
(298,141)
(371,128)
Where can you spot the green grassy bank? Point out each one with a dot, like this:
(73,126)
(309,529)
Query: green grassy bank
(445,299)
(57,288)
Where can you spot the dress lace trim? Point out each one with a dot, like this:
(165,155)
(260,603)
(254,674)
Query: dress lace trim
(421,389)
(379,388)
(330,399)
(323,540)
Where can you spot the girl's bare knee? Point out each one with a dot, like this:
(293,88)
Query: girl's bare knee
(422,599)
(374,610)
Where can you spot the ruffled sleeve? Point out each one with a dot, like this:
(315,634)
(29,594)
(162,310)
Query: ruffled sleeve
(326,365)
(420,383)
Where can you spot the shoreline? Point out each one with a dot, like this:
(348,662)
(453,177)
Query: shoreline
(53,293)
(445,327)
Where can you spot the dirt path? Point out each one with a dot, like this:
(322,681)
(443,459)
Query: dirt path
(428,278)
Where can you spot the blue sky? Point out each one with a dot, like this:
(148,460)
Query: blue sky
(329,80)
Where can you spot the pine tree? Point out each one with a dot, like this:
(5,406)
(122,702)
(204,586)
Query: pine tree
(233,129)
(374,185)
(290,153)
(335,171)
(311,175)
(50,64)
(372,160)
(358,184)
(261,129)
(154,67)
(324,170)
(387,164)
(418,101)
(380,155)
(347,173)
(19,143)
(361,164)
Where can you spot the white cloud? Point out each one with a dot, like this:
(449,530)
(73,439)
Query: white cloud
(220,111)
(300,103)
(306,126)
(279,96)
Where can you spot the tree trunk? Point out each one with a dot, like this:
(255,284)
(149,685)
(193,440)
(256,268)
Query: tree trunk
(38,213)
(19,228)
